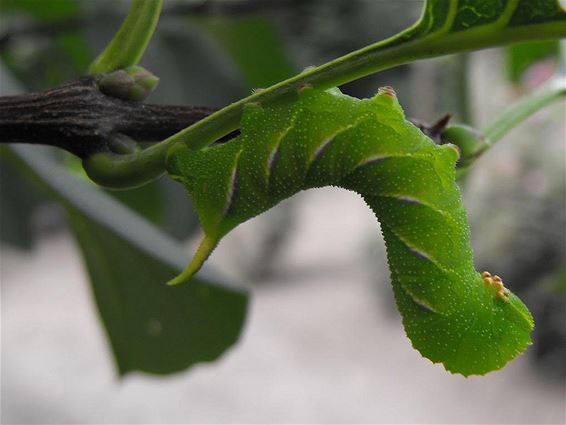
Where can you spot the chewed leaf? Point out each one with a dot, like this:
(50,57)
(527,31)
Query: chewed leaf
(454,315)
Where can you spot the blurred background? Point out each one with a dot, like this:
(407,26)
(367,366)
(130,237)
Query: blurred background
(323,341)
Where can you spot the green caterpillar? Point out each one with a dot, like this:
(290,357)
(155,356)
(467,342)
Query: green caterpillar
(468,321)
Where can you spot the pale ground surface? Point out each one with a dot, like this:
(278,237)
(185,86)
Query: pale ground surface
(320,346)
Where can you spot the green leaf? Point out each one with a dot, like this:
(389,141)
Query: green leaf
(73,43)
(146,200)
(41,9)
(152,327)
(18,202)
(479,18)
(452,314)
(56,52)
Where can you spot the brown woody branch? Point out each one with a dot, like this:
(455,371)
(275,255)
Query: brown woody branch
(79,118)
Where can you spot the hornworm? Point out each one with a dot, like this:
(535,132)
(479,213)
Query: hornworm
(453,314)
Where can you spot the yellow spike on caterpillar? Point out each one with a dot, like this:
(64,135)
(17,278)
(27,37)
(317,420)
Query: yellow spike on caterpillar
(495,283)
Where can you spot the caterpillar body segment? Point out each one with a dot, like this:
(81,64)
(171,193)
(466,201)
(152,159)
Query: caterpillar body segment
(451,313)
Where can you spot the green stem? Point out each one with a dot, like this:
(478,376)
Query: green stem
(136,169)
(518,112)
(129,43)
(514,115)
(522,109)
(553,91)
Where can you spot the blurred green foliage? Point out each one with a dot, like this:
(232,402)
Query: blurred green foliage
(44,10)
(18,201)
(520,57)
(254,45)
(153,327)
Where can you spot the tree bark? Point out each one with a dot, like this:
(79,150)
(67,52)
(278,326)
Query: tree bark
(79,118)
